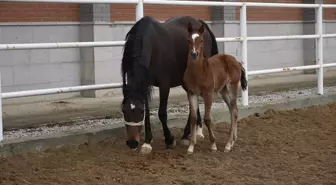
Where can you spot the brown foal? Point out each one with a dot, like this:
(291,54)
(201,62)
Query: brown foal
(204,77)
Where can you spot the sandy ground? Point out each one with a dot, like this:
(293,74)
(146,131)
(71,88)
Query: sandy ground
(278,147)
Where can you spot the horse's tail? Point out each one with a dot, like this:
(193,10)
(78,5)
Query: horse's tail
(214,47)
(243,80)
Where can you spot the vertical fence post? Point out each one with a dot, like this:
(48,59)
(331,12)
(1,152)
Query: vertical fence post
(319,48)
(1,118)
(139,10)
(243,34)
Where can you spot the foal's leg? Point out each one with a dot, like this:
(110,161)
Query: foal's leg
(229,95)
(199,129)
(146,148)
(193,102)
(169,138)
(207,119)
(186,132)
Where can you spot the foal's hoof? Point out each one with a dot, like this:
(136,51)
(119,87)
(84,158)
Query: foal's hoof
(145,149)
(172,146)
(213,147)
(184,142)
(226,150)
(190,150)
(228,147)
(199,132)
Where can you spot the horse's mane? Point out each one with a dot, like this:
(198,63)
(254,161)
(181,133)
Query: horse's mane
(134,67)
(214,47)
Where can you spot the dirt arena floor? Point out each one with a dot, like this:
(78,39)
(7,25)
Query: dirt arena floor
(285,147)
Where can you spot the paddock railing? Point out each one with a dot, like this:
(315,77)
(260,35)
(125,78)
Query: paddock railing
(319,66)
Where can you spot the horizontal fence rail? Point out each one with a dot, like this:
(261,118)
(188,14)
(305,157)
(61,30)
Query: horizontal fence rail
(243,38)
(77,1)
(59,90)
(60,45)
(121,43)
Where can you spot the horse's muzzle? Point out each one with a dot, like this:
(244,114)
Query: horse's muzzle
(132,144)
(194,55)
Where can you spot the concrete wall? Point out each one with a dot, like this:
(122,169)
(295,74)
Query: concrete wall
(38,69)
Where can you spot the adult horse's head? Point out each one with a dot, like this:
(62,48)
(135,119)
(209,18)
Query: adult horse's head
(133,108)
(136,81)
(133,104)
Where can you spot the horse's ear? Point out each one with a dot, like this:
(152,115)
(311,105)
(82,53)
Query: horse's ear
(201,29)
(190,29)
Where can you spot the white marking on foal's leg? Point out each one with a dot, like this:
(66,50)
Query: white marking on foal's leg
(146,148)
(184,142)
(228,146)
(213,147)
(193,101)
(190,149)
(199,131)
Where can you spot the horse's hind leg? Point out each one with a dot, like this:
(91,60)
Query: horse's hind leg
(169,138)
(229,95)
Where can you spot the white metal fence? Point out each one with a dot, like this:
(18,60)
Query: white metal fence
(139,14)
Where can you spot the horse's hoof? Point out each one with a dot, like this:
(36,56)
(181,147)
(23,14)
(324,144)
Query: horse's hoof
(227,148)
(213,147)
(145,149)
(190,150)
(199,132)
(172,146)
(184,142)
(200,136)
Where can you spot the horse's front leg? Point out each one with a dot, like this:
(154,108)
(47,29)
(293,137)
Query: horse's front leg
(193,103)
(199,129)
(146,148)
(169,138)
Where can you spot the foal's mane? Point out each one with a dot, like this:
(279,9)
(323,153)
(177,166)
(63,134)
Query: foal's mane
(134,66)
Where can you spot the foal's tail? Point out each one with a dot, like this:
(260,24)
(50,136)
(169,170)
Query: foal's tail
(243,80)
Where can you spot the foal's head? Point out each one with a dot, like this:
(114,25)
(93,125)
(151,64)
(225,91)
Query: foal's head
(195,42)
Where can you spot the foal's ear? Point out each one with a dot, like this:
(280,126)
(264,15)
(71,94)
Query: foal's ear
(201,29)
(190,29)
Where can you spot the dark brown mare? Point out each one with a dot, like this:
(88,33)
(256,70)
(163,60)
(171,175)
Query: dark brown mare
(206,76)
(156,54)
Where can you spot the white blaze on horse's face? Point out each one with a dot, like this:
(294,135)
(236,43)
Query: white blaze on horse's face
(194,36)
(142,122)
(132,106)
